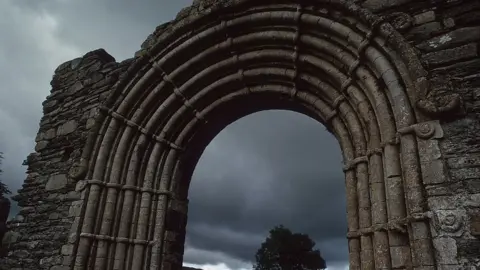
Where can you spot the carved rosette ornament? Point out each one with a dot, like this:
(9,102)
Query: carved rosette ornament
(449,222)
(425,130)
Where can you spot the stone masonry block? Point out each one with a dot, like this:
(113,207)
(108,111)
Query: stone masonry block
(56,181)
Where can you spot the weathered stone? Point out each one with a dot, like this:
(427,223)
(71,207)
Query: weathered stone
(75,63)
(451,55)
(449,189)
(473,201)
(447,250)
(468,18)
(67,128)
(441,202)
(21,254)
(50,134)
(475,225)
(60,267)
(54,216)
(424,17)
(56,181)
(76,87)
(400,257)
(465,173)
(90,123)
(75,209)
(41,145)
(67,249)
(377,5)
(461,8)
(10,238)
(451,39)
(464,161)
(47,135)
(424,31)
(33,244)
(449,22)
(473,186)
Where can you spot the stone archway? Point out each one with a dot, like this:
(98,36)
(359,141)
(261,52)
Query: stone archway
(334,61)
(219,61)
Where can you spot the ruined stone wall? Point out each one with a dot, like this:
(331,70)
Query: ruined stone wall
(446,36)
(40,232)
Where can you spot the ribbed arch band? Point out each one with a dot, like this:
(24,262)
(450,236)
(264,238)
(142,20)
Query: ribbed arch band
(328,59)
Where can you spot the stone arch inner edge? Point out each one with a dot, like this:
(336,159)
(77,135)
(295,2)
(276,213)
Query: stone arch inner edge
(323,72)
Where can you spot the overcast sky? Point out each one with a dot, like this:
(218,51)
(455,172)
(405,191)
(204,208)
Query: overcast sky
(269,168)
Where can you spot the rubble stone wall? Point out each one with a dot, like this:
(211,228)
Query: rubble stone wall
(39,234)
(446,35)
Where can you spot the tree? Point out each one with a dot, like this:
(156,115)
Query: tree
(4,210)
(284,250)
(3,188)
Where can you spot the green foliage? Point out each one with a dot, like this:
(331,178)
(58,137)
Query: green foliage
(3,188)
(286,250)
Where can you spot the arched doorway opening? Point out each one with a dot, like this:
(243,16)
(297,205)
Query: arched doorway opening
(332,61)
(268,168)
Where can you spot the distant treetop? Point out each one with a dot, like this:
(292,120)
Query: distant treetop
(3,188)
(284,250)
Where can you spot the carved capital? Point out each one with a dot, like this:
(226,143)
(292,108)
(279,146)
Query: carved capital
(436,97)
(424,130)
(436,105)
(429,130)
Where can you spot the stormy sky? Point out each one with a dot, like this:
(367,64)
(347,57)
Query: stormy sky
(269,168)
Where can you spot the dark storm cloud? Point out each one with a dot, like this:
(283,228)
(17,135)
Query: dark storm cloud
(267,169)
(119,26)
(29,52)
(198,257)
(274,167)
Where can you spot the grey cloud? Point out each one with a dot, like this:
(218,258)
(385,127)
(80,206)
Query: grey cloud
(29,52)
(284,169)
(200,256)
(118,26)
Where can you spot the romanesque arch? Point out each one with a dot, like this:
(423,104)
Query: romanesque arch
(332,60)
(349,69)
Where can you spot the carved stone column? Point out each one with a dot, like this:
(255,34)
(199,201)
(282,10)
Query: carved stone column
(174,237)
(445,223)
